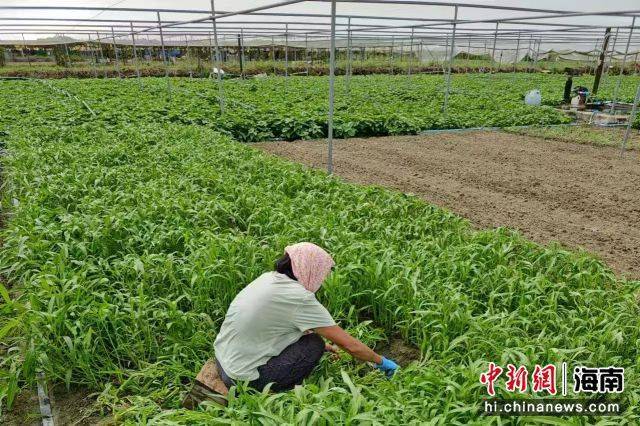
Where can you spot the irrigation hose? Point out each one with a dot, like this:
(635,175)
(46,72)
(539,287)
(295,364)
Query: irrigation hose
(66,93)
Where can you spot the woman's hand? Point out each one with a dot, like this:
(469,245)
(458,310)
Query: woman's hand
(333,349)
(387,366)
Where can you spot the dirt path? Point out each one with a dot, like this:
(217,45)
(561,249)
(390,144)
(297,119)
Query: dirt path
(579,195)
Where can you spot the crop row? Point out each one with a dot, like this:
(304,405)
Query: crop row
(296,108)
(127,241)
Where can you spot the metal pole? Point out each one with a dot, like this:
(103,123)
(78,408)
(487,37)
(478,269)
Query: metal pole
(93,58)
(446,53)
(164,56)
(273,54)
(211,52)
(115,52)
(495,40)
(135,54)
(451,55)
(601,60)
(613,49)
(410,53)
(217,60)
(347,79)
(391,54)
(332,66)
(529,54)
(66,51)
(188,55)
(515,61)
(286,51)
(240,57)
(632,118)
(101,54)
(306,52)
(535,62)
(595,63)
(624,60)
(25,46)
(242,61)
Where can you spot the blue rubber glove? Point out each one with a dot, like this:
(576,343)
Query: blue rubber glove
(387,366)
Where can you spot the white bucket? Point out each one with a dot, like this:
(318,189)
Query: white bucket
(533,97)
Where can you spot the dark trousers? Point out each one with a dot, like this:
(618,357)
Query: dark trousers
(288,369)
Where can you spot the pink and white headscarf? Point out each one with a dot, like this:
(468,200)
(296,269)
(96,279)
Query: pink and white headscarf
(310,264)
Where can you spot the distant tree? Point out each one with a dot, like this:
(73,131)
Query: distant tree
(60,56)
(2,58)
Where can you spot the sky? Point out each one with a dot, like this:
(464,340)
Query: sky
(8,26)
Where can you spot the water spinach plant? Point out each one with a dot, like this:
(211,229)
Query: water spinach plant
(125,241)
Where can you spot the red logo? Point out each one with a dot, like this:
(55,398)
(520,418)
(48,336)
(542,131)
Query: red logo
(490,377)
(517,378)
(544,379)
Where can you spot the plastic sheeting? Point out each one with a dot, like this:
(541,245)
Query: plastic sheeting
(426,49)
(44,42)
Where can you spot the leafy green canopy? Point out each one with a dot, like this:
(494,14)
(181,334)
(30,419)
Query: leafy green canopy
(274,108)
(126,243)
(269,108)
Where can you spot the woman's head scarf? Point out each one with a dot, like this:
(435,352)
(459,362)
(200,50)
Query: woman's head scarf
(310,264)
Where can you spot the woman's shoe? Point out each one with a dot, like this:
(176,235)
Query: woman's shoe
(208,386)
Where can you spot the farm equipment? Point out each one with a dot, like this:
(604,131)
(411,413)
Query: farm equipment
(579,99)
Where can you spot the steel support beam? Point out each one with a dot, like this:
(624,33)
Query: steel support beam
(632,118)
(332,78)
(164,57)
(347,77)
(603,53)
(624,61)
(135,56)
(451,56)
(216,62)
(115,53)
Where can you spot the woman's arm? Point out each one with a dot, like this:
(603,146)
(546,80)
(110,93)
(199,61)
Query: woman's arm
(350,344)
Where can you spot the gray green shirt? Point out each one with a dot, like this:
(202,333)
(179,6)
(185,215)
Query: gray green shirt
(264,318)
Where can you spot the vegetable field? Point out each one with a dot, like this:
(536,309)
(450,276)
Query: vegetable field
(129,229)
(296,108)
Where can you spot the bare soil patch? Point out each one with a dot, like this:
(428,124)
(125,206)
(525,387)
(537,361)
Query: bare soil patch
(24,412)
(398,350)
(578,195)
(74,407)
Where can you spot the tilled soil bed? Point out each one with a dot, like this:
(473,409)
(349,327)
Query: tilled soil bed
(578,195)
